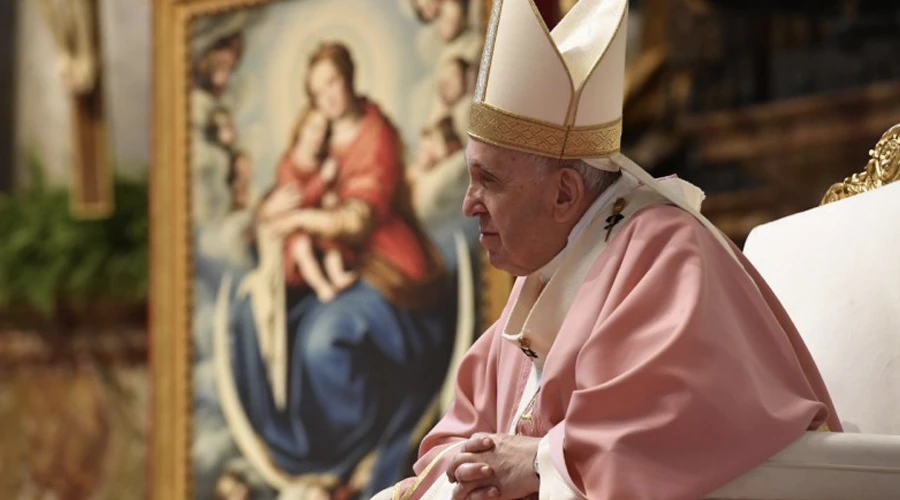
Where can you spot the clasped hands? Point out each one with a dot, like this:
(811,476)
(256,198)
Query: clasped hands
(494,466)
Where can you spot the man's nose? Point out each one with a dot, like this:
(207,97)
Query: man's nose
(471,204)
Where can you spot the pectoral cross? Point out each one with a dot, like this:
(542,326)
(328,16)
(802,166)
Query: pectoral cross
(615,218)
(75,25)
(525,346)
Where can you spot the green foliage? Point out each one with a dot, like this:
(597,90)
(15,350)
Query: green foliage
(47,257)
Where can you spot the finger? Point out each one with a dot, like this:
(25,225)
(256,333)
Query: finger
(462,490)
(478,444)
(484,493)
(473,472)
(459,459)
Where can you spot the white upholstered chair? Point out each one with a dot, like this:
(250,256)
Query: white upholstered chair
(836,269)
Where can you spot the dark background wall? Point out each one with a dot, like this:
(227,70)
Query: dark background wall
(7,92)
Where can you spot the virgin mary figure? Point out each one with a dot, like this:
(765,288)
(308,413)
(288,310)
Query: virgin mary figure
(321,386)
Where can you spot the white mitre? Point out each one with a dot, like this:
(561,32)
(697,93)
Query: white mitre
(560,93)
(556,94)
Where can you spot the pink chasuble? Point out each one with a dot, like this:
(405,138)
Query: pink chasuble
(674,371)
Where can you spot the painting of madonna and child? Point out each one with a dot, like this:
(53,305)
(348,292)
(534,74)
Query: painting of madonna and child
(334,272)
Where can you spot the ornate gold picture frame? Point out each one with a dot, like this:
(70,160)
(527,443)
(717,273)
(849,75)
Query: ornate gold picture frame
(883,168)
(299,142)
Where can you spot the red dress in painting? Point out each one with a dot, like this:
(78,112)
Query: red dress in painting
(393,255)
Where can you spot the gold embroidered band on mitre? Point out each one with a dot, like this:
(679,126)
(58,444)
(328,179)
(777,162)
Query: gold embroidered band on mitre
(502,128)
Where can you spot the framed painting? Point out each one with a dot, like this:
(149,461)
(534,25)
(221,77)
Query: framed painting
(313,280)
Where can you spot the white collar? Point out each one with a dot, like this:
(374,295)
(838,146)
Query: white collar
(546,272)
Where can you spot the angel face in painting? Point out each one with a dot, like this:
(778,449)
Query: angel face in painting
(240,169)
(452,18)
(213,69)
(426,10)
(220,129)
(453,80)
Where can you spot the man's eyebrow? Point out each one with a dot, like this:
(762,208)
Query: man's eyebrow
(483,171)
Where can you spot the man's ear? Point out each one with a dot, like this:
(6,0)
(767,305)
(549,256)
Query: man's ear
(570,194)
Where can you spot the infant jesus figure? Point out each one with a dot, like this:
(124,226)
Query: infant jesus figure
(307,165)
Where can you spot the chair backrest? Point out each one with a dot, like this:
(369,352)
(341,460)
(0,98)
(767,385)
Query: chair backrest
(836,269)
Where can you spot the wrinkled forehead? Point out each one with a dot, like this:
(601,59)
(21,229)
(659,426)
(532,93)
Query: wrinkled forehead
(500,161)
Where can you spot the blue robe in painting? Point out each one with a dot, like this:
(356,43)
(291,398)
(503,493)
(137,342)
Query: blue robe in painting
(362,372)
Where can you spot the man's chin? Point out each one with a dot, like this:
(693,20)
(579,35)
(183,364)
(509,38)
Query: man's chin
(498,262)
(493,257)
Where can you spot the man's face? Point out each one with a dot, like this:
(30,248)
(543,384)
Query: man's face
(514,200)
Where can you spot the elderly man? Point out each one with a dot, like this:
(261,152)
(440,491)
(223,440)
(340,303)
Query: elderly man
(640,356)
